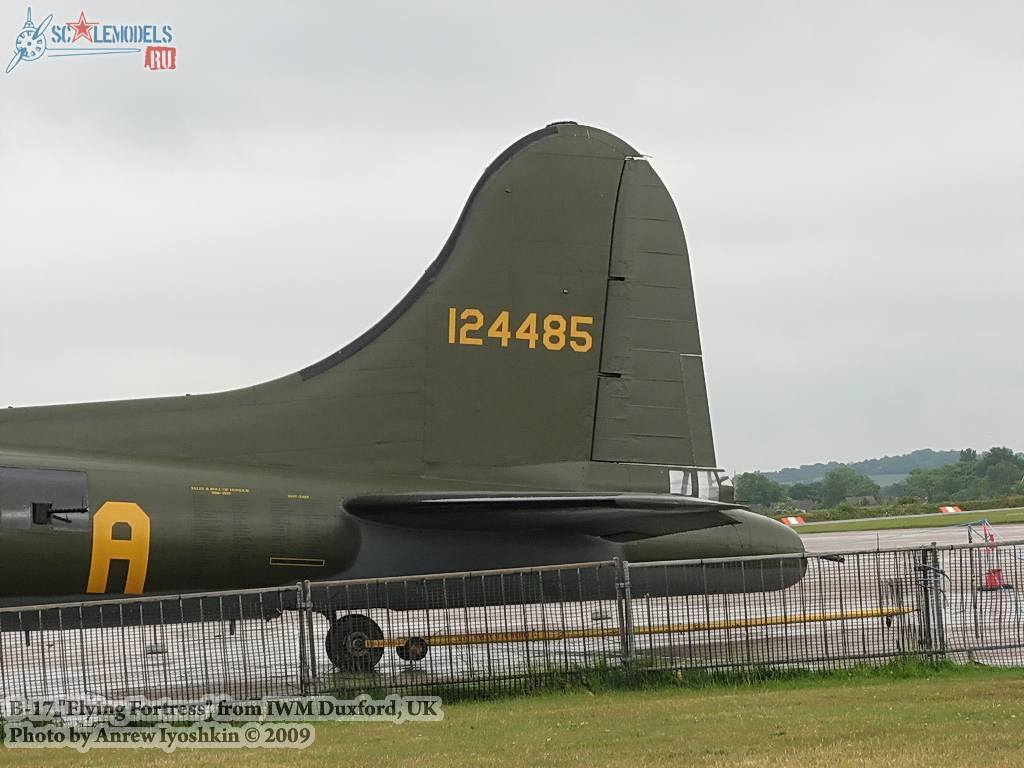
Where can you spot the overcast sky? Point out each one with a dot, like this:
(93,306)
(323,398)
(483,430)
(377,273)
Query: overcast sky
(850,178)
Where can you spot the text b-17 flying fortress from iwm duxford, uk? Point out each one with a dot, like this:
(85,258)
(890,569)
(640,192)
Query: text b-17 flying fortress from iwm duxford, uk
(506,483)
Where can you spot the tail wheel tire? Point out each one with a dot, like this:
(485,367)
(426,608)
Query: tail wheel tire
(413,649)
(347,643)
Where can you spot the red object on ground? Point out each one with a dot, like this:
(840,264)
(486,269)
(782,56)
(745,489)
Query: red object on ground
(994,579)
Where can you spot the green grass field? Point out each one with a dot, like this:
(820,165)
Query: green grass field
(994,516)
(950,717)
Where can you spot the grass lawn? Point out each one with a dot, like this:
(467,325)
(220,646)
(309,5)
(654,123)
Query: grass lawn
(994,516)
(950,717)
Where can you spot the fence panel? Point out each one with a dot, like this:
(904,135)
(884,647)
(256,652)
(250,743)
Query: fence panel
(983,606)
(486,629)
(240,644)
(846,608)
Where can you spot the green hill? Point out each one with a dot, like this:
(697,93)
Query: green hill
(886,470)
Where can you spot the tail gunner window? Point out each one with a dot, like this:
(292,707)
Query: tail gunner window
(54,498)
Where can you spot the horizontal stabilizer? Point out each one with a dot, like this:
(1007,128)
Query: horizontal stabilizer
(618,517)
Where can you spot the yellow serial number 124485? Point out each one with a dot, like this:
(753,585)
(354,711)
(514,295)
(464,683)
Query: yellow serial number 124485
(555,332)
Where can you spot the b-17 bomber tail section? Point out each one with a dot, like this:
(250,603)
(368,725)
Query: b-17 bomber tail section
(537,398)
(555,329)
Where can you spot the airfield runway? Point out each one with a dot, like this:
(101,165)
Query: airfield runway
(851,541)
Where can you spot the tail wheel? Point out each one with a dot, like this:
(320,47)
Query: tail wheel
(413,649)
(347,643)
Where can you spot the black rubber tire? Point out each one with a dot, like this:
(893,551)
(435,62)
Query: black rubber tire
(345,643)
(413,649)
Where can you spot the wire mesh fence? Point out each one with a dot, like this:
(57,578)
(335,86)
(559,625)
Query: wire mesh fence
(501,631)
(238,644)
(470,630)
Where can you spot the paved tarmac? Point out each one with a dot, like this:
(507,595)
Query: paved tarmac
(851,541)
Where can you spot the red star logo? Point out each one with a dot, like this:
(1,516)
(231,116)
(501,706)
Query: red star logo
(82,27)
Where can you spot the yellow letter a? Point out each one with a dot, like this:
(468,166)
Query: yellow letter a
(105,547)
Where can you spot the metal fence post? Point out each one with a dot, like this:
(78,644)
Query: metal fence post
(314,676)
(937,574)
(924,610)
(624,603)
(303,606)
(932,628)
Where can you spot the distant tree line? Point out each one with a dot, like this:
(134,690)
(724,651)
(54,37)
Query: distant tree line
(839,484)
(997,472)
(924,458)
